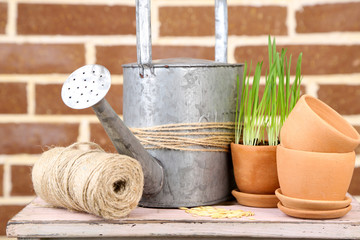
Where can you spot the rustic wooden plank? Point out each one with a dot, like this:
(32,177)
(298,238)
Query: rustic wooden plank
(164,238)
(220,229)
(38,221)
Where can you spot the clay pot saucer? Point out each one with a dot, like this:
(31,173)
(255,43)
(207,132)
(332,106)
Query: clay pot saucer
(313,214)
(298,203)
(256,200)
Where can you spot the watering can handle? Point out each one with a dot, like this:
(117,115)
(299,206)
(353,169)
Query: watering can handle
(143,31)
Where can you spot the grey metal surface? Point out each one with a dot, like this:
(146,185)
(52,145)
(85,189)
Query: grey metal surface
(221,30)
(122,138)
(86,86)
(143,32)
(175,94)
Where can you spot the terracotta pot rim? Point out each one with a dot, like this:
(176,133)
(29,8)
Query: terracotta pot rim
(355,135)
(254,148)
(315,153)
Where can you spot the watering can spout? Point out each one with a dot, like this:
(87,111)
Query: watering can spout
(87,87)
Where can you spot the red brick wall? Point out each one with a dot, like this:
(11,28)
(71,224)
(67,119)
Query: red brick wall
(42,42)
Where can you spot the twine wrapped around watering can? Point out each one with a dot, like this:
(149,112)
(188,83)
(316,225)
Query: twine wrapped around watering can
(196,137)
(103,184)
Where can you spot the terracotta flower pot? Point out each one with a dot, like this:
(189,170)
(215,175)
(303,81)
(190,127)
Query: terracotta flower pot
(314,126)
(314,175)
(255,168)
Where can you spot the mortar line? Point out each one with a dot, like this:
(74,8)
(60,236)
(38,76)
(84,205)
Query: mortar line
(10,29)
(312,87)
(291,19)
(231,51)
(352,119)
(68,39)
(20,159)
(90,53)
(7,179)
(357,161)
(346,79)
(328,38)
(155,22)
(84,131)
(23,118)
(2,162)
(16,200)
(47,78)
(31,98)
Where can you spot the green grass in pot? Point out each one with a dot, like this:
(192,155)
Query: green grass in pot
(259,120)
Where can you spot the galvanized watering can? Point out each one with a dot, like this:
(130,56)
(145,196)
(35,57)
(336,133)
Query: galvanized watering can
(161,92)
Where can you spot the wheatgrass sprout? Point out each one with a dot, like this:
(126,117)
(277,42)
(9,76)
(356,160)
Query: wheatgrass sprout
(260,119)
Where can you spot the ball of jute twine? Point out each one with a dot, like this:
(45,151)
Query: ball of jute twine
(103,184)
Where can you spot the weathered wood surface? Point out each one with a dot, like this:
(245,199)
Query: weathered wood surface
(38,221)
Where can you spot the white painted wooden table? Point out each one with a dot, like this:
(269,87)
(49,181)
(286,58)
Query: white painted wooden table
(37,222)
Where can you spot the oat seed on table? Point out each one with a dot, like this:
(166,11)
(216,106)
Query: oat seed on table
(213,212)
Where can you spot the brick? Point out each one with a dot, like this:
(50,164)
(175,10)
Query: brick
(317,59)
(262,88)
(357,150)
(48,100)
(34,137)
(7,212)
(21,183)
(1,180)
(66,19)
(99,136)
(342,98)
(114,56)
(186,21)
(243,20)
(13,98)
(328,18)
(3,17)
(41,58)
(251,21)
(161,52)
(354,188)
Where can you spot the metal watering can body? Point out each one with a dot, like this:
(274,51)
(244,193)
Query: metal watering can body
(181,90)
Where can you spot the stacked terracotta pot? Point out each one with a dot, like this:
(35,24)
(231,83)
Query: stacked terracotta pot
(315,161)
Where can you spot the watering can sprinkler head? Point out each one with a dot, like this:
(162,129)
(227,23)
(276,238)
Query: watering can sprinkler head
(87,87)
